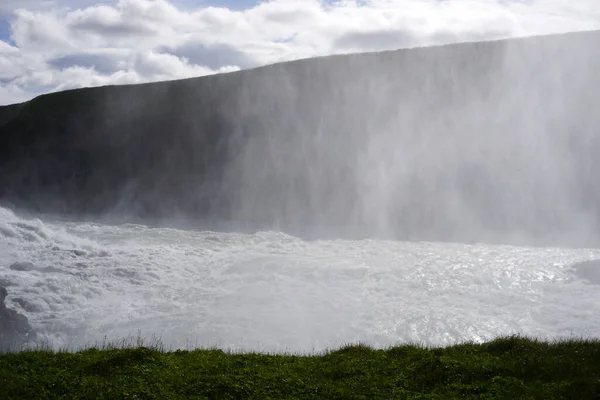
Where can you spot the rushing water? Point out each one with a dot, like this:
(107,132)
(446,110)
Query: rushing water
(81,282)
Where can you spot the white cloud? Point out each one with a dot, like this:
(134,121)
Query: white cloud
(67,43)
(37,32)
(167,66)
(10,94)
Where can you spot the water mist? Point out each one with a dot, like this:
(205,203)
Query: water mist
(373,197)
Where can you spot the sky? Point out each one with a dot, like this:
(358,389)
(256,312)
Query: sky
(53,45)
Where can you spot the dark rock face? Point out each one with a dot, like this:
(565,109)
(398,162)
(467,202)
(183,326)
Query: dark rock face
(14,327)
(476,141)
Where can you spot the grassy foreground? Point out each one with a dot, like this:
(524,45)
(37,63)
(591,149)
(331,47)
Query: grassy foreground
(507,368)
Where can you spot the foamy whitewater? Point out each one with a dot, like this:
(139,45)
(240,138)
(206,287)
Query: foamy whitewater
(273,292)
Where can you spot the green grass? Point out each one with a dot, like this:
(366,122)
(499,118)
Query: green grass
(506,368)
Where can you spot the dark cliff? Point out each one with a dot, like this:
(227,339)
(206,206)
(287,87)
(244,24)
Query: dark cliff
(460,142)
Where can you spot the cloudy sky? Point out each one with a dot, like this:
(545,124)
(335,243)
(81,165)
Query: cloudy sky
(50,45)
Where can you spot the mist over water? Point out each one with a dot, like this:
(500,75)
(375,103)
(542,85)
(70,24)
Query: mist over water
(492,141)
(385,198)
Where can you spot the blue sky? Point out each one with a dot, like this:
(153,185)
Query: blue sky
(62,44)
(5,30)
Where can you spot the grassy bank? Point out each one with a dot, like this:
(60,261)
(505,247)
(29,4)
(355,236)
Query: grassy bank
(508,368)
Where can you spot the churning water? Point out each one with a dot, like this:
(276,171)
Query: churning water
(81,282)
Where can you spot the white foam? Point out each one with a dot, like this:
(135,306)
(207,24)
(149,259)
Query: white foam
(273,292)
